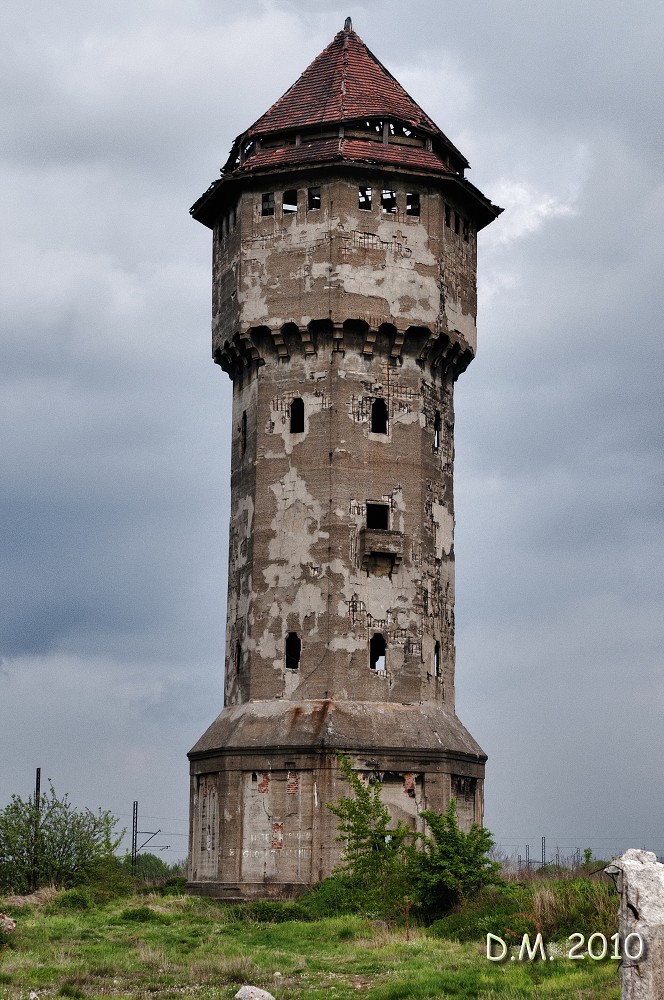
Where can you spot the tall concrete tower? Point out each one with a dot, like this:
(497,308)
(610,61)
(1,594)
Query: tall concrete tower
(344,303)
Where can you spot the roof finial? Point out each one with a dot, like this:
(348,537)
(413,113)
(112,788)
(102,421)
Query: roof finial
(348,24)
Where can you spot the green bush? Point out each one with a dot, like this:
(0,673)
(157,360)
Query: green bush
(334,896)
(566,906)
(555,907)
(451,864)
(147,868)
(72,899)
(375,858)
(174,886)
(494,909)
(51,843)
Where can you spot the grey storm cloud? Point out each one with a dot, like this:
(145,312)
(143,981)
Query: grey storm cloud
(116,425)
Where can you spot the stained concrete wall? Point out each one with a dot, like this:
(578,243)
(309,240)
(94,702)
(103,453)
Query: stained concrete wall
(337,307)
(288,836)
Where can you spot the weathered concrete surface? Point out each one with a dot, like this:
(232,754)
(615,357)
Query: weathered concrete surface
(343,321)
(639,879)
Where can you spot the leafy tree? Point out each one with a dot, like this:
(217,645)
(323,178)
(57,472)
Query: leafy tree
(149,867)
(374,847)
(451,864)
(52,843)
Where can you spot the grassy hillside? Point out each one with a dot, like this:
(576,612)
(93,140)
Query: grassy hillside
(173,947)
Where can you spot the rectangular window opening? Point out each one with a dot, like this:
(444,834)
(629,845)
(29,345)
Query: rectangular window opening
(267,205)
(313,199)
(364,198)
(448,216)
(289,203)
(413,203)
(293,650)
(437,426)
(466,231)
(378,653)
(388,201)
(379,416)
(297,416)
(378,516)
(457,223)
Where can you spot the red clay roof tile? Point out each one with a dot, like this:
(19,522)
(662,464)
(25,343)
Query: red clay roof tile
(346,82)
(348,150)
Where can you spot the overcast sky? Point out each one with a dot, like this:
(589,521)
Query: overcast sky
(114,440)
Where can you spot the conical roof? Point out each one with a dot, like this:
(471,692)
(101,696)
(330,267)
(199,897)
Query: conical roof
(346,108)
(345,83)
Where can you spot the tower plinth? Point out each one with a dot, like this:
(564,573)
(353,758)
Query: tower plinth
(344,304)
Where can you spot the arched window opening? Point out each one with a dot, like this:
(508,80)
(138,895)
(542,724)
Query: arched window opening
(297,416)
(293,650)
(244,431)
(436,431)
(379,416)
(377,652)
(436,660)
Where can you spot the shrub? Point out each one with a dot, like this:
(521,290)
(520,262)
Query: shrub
(72,899)
(335,895)
(148,867)
(51,843)
(451,864)
(374,858)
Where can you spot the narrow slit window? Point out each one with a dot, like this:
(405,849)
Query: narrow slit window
(244,431)
(457,223)
(238,657)
(378,516)
(448,216)
(436,431)
(313,199)
(436,660)
(297,416)
(267,205)
(377,652)
(379,416)
(293,650)
(364,198)
(289,203)
(412,203)
(388,201)
(466,230)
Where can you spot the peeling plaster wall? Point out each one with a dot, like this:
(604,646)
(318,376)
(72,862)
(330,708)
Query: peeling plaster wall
(337,307)
(342,261)
(298,528)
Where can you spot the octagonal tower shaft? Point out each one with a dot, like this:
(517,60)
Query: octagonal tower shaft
(344,305)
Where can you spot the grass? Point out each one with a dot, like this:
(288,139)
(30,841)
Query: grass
(169,947)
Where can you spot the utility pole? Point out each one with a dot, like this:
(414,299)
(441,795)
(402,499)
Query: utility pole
(135,848)
(35,834)
(134,838)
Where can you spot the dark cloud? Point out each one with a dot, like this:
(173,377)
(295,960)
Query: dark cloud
(114,495)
